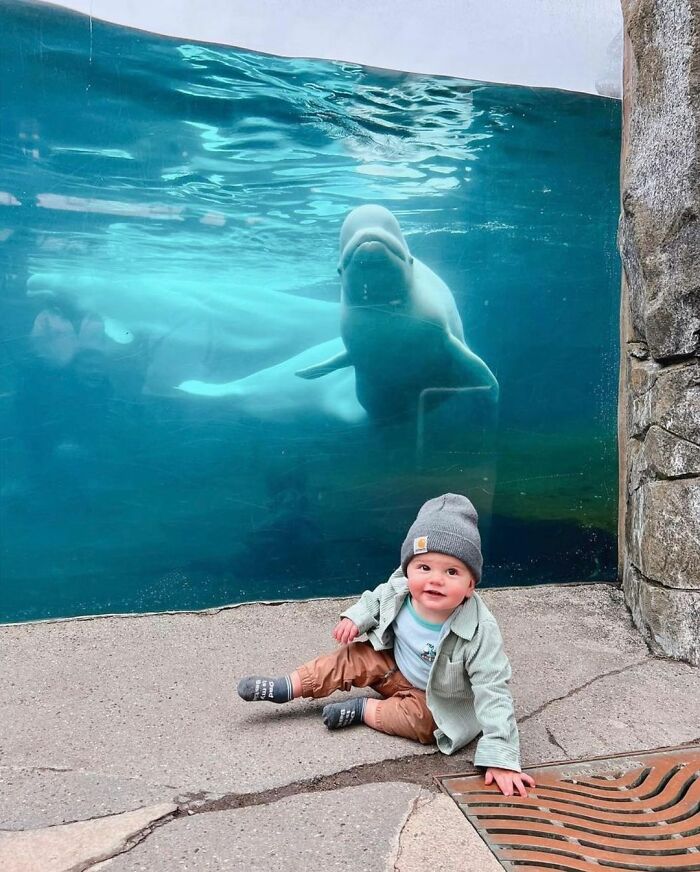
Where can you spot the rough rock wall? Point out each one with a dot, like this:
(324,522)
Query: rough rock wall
(660,324)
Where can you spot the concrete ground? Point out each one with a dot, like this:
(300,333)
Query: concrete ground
(123,745)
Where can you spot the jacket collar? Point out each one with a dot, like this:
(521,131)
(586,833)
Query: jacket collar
(466,617)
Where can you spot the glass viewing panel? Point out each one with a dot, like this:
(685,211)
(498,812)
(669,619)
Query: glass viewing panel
(191,412)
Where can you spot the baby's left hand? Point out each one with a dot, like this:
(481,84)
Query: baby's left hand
(508,780)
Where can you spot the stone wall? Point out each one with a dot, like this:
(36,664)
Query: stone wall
(660,324)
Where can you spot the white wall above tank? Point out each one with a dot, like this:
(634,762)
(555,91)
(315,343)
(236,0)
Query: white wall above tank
(571,44)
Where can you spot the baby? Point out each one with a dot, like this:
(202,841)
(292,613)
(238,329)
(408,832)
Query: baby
(434,652)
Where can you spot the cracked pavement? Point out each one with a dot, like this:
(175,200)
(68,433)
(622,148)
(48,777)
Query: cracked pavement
(127,731)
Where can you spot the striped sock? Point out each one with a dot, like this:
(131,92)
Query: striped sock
(344,714)
(253,688)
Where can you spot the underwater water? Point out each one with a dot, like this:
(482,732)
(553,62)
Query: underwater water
(169,248)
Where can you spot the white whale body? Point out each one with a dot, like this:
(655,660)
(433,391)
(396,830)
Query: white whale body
(194,330)
(276,394)
(399,323)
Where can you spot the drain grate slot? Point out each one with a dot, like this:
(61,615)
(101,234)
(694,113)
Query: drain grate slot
(642,815)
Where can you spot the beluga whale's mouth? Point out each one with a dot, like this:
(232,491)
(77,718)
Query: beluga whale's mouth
(372,245)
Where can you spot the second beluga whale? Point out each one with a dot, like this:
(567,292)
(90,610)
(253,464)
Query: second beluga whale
(399,323)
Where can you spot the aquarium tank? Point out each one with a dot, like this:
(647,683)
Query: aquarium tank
(255,310)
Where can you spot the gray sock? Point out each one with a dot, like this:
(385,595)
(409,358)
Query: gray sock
(254,687)
(344,714)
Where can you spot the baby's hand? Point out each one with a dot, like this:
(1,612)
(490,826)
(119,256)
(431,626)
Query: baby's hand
(345,631)
(508,780)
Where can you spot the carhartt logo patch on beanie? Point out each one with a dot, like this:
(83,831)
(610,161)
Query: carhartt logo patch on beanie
(447,525)
(420,545)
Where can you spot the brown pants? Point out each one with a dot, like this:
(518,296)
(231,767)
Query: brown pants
(403,712)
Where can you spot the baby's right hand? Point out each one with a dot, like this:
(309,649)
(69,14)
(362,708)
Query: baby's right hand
(345,631)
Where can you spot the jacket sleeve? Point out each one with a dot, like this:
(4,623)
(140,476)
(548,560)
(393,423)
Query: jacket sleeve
(489,673)
(365,613)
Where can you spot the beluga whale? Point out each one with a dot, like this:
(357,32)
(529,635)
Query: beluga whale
(399,323)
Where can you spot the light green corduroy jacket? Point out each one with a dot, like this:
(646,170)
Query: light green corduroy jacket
(467,691)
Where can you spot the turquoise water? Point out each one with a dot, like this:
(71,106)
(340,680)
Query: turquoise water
(169,223)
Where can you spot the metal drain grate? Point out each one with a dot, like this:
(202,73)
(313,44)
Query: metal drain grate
(639,812)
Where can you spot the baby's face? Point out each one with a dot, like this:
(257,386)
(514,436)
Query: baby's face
(438,583)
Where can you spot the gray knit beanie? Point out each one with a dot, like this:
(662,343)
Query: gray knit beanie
(448,525)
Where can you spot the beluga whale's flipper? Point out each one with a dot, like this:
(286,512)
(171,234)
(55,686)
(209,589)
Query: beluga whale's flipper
(338,361)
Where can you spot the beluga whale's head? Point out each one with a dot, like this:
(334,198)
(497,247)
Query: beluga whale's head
(375,264)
